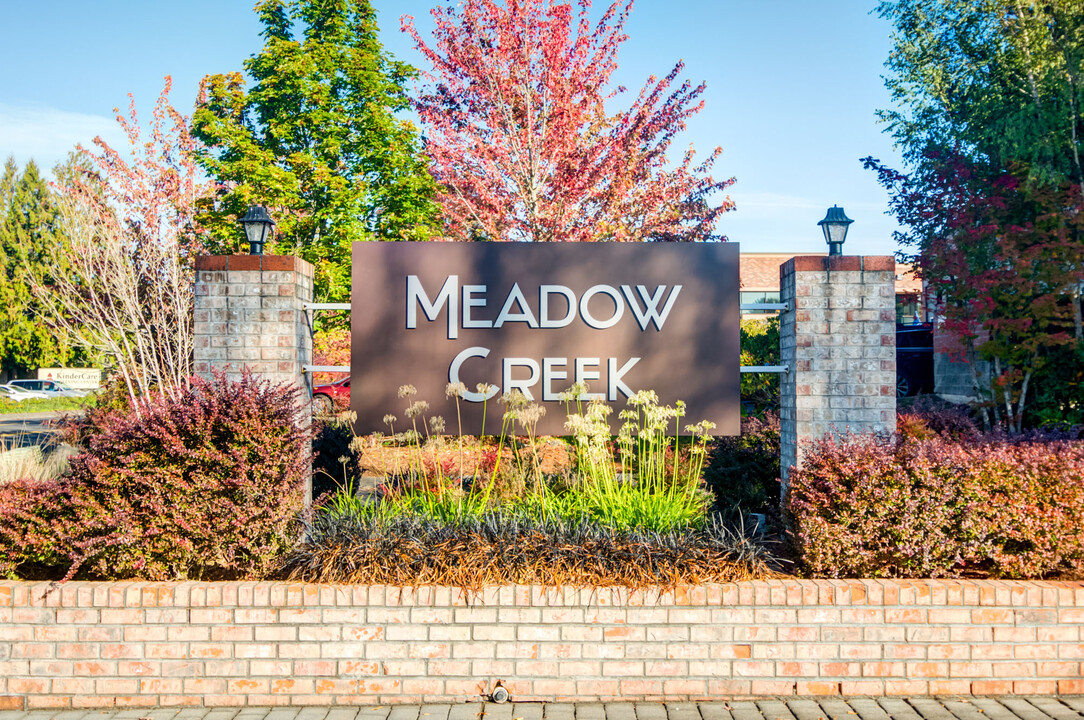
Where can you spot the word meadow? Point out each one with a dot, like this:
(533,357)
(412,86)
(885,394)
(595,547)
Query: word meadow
(536,318)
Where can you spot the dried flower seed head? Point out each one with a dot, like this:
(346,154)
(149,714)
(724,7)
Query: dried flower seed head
(646,398)
(530,414)
(436,425)
(389,420)
(346,416)
(576,392)
(701,430)
(357,445)
(456,389)
(416,408)
(514,399)
(407,391)
(486,389)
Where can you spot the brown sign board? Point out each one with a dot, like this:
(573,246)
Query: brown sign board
(623,317)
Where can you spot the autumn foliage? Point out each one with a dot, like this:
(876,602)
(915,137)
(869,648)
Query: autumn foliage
(523,145)
(929,504)
(1004,261)
(207,485)
(121,284)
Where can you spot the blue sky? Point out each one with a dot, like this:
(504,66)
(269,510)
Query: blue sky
(793,87)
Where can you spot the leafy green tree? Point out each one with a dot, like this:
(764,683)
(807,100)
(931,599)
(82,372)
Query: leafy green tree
(28,230)
(999,80)
(760,346)
(989,113)
(314,136)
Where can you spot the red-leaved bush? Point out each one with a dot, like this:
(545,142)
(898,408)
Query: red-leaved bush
(919,504)
(205,486)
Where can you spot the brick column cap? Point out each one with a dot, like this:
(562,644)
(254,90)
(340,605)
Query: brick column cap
(873,263)
(269,263)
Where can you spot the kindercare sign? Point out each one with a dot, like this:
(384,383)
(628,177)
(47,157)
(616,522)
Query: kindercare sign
(621,317)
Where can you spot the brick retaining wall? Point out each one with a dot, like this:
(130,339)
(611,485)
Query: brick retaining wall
(141,644)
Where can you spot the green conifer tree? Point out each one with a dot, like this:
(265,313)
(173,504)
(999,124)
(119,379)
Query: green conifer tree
(28,227)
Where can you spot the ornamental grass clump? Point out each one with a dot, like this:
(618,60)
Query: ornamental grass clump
(919,504)
(205,485)
(654,483)
(500,548)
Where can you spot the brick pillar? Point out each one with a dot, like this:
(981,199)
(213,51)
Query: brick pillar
(249,314)
(839,341)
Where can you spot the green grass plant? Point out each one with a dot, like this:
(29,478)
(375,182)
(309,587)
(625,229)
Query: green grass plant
(36,405)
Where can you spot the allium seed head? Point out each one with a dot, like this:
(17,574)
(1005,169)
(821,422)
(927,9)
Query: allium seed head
(456,389)
(407,391)
(417,408)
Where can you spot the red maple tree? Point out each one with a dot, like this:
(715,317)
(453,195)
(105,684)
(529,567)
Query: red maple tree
(516,125)
(1003,261)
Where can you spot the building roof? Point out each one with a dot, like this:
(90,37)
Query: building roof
(760,273)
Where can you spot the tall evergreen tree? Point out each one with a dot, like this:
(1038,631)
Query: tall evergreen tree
(314,136)
(28,228)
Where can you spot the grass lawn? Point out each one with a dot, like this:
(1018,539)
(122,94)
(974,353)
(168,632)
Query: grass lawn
(35,405)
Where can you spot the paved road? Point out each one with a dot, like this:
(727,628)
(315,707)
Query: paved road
(942,708)
(23,429)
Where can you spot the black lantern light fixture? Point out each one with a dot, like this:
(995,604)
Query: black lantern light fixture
(835,225)
(257,224)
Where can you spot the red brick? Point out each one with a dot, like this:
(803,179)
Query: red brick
(10,702)
(841,669)
(161,686)
(135,701)
(1056,669)
(906,687)
(1071,687)
(603,689)
(882,669)
(641,688)
(1035,687)
(950,687)
(1036,651)
(862,687)
(996,651)
(817,687)
(992,616)
(970,669)
(211,262)
(773,687)
(247,686)
(991,687)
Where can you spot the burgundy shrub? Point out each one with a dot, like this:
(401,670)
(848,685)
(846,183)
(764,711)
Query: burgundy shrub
(205,486)
(922,505)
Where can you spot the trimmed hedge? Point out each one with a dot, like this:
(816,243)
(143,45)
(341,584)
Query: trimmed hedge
(922,504)
(207,485)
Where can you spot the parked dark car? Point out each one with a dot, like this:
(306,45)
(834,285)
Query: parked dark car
(333,396)
(914,359)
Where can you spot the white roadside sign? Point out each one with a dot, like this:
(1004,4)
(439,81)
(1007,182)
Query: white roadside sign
(78,378)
